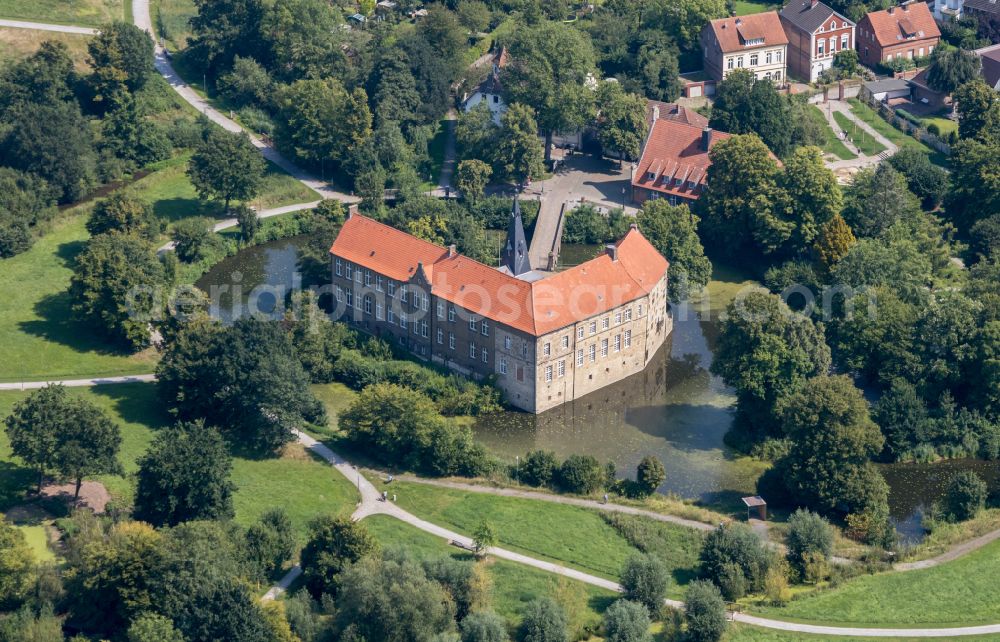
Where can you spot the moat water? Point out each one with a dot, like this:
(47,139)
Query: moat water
(675,409)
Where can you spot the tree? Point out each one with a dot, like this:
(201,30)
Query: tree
(809,535)
(951,67)
(471,178)
(518,152)
(192,237)
(334,544)
(833,438)
(124,214)
(270,542)
(474,14)
(226,166)
(734,547)
(834,241)
(978,109)
(745,105)
(321,122)
(876,199)
(151,627)
(673,231)
(548,68)
(766,351)
(542,621)
(704,612)
(814,195)
(627,621)
(650,474)
(17,565)
(88,444)
(659,68)
(476,134)
(184,476)
(45,77)
(223,608)
(484,537)
(34,426)
(975,179)
(965,496)
(249,82)
(926,180)
(131,138)
(25,201)
(645,579)
(224,29)
(302,37)
(483,626)
(539,468)
(121,55)
(846,60)
(248,222)
(621,121)
(581,474)
(244,379)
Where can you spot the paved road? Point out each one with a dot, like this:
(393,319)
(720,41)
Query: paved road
(227,223)
(79,383)
(41,26)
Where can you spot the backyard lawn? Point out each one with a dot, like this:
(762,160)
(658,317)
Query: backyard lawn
(16,44)
(297,481)
(864,141)
(945,125)
(514,585)
(85,13)
(960,593)
(865,113)
(746,7)
(831,144)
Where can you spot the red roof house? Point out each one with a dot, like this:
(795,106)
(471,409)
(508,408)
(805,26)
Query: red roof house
(674,162)
(906,31)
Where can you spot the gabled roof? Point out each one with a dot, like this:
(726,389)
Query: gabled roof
(674,149)
(738,34)
(990,57)
(673,111)
(535,307)
(911,21)
(809,16)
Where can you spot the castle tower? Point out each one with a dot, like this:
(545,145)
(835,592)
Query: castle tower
(515,252)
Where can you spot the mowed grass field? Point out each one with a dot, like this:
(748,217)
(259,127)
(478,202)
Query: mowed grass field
(964,592)
(865,113)
(831,143)
(297,481)
(85,13)
(16,44)
(514,585)
(864,141)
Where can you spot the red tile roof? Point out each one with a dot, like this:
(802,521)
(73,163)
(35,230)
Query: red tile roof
(674,150)
(537,308)
(734,33)
(911,21)
(673,111)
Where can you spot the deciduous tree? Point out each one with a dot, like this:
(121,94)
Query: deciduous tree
(226,167)
(471,178)
(627,621)
(673,231)
(543,621)
(645,580)
(951,67)
(621,120)
(519,152)
(334,544)
(704,612)
(125,214)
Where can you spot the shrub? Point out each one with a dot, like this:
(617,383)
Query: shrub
(776,584)
(543,621)
(650,474)
(257,120)
(627,621)
(192,238)
(538,468)
(809,536)
(705,612)
(644,579)
(933,128)
(483,626)
(581,474)
(966,496)
(732,582)
(735,544)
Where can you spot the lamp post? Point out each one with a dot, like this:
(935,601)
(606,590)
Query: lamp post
(517,469)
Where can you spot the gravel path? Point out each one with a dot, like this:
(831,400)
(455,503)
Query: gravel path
(41,26)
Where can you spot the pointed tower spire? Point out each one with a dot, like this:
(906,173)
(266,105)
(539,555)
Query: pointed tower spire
(515,252)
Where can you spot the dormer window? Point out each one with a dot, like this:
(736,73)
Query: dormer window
(679,181)
(651,176)
(692,185)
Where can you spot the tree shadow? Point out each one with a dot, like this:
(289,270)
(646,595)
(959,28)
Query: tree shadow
(67,252)
(175,209)
(57,324)
(15,482)
(137,403)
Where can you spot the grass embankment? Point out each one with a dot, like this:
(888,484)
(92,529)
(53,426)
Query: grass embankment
(170,21)
(297,481)
(514,585)
(960,593)
(84,13)
(897,137)
(864,141)
(16,44)
(831,144)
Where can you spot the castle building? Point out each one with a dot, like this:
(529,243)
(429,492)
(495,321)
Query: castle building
(547,338)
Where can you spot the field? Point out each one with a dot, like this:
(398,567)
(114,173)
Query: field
(865,113)
(831,144)
(864,141)
(16,44)
(170,19)
(85,13)
(960,593)
(514,585)
(574,536)
(297,481)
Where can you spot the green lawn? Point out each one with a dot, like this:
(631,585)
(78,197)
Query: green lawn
(87,13)
(865,113)
(960,593)
(298,482)
(746,7)
(945,125)
(16,44)
(831,144)
(514,585)
(38,539)
(864,141)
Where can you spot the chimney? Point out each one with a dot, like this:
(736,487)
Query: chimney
(892,10)
(706,138)
(656,113)
(452,251)
(612,251)
(352,210)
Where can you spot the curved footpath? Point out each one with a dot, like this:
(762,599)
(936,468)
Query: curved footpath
(227,223)
(371,504)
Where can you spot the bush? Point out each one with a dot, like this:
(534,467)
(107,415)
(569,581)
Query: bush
(483,626)
(934,129)
(735,544)
(644,579)
(581,474)
(334,544)
(732,582)
(809,535)
(627,621)
(776,585)
(538,468)
(965,497)
(192,237)
(650,474)
(543,621)
(257,120)
(705,612)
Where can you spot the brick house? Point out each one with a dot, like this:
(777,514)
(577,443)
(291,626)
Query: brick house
(816,33)
(546,338)
(906,31)
(756,42)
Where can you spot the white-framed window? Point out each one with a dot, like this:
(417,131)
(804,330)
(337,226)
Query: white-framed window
(605,323)
(565,341)
(628,314)
(506,342)
(768,57)
(348,270)
(561,369)
(546,349)
(357,275)
(548,374)
(472,350)
(604,348)
(486,356)
(844,24)
(833,44)
(425,305)
(350,297)
(390,288)
(503,365)
(440,310)
(628,338)
(640,309)
(403,322)
(440,336)
(593,327)
(618,343)
(423,329)
(368,278)
(340,294)
(368,305)
(403,294)
(729,63)
(579,357)
(451,314)
(844,41)
(618,317)
(593,352)
(579,332)
(451,340)
(339,267)
(472,323)
(820,47)
(416,327)
(378,310)
(484,328)
(650,176)
(390,316)
(777,55)
(753,60)
(379,281)
(739,61)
